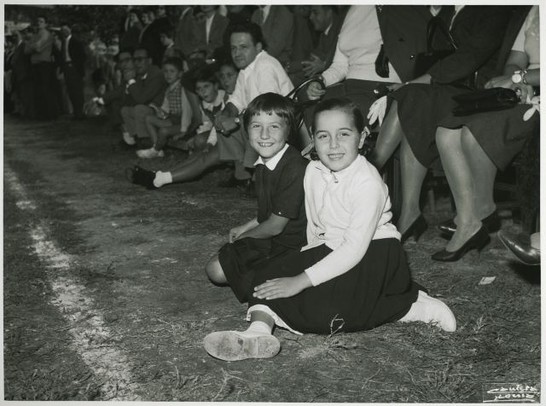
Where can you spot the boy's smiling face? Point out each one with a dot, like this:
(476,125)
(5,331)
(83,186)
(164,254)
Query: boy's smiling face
(267,133)
(337,140)
(207,91)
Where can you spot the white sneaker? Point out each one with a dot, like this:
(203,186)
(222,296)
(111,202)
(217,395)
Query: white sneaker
(236,346)
(430,310)
(129,139)
(150,153)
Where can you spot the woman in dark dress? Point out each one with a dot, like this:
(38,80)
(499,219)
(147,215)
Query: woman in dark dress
(418,106)
(472,148)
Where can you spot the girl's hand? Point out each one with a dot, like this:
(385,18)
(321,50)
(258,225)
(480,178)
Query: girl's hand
(282,287)
(525,92)
(236,232)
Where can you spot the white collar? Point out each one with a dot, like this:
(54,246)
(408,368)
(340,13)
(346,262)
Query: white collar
(327,30)
(174,85)
(251,64)
(217,102)
(272,163)
(339,174)
(265,11)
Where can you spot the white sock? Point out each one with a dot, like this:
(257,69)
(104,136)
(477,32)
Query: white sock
(430,310)
(162,178)
(257,328)
(535,241)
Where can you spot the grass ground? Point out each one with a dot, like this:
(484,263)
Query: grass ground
(139,255)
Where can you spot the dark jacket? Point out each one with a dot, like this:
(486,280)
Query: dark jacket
(478,32)
(76,51)
(149,89)
(403,30)
(278,32)
(216,36)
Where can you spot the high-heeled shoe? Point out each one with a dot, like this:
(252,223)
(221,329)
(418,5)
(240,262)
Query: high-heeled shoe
(520,248)
(417,228)
(492,222)
(478,241)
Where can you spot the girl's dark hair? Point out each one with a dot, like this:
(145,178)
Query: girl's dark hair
(342,104)
(273,103)
(174,61)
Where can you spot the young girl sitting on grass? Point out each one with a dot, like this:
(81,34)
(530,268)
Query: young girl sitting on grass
(353,273)
(280,224)
(173,117)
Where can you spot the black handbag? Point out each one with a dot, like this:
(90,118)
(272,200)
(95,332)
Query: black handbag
(481,101)
(382,63)
(425,60)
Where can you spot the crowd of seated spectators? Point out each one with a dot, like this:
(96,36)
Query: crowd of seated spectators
(182,76)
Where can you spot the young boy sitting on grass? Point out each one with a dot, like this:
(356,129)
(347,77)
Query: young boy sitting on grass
(175,114)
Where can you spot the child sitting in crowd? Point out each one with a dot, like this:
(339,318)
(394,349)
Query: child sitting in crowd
(353,273)
(227,75)
(280,224)
(212,102)
(174,116)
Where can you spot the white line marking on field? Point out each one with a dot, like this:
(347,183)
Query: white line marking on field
(92,339)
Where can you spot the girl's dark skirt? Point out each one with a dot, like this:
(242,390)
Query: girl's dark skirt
(242,258)
(421,107)
(501,134)
(378,290)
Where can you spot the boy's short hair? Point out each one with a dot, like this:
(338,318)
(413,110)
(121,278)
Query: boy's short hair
(174,61)
(343,104)
(167,31)
(273,103)
(206,74)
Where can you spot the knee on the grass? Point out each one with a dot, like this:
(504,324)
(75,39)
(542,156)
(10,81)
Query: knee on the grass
(164,132)
(214,271)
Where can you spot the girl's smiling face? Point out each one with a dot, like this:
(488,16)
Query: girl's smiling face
(267,133)
(337,140)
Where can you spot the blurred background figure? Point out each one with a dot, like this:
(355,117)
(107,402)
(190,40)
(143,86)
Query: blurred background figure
(72,60)
(277,24)
(45,83)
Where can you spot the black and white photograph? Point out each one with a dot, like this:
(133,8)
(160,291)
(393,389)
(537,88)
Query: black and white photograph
(282,202)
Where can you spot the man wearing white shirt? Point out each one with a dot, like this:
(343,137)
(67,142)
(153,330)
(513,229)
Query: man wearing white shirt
(259,73)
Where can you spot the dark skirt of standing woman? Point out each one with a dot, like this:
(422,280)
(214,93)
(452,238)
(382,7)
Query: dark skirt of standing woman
(501,134)
(478,32)
(376,291)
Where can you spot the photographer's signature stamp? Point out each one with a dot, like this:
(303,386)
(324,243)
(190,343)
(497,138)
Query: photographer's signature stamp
(510,393)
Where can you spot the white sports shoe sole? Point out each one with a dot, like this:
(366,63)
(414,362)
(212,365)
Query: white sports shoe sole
(233,346)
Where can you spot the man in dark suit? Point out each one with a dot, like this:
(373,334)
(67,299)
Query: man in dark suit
(73,68)
(209,31)
(147,86)
(277,24)
(327,20)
